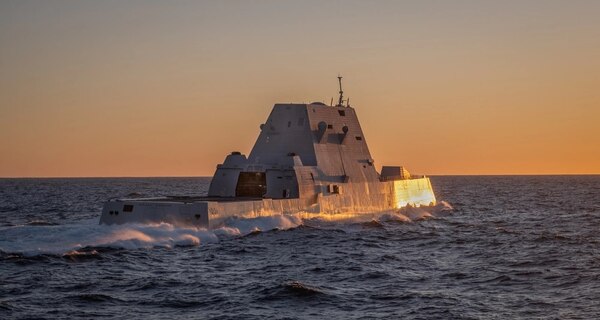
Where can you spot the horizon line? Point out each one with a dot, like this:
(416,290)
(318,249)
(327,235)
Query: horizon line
(197,176)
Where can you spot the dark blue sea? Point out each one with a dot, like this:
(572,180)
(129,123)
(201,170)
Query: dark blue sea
(498,247)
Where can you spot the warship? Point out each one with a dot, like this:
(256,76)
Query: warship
(309,160)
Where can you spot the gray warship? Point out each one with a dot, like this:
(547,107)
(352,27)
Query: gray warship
(310,160)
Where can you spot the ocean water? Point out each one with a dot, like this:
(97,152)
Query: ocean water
(510,247)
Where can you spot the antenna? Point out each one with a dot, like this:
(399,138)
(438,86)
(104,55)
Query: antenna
(341,99)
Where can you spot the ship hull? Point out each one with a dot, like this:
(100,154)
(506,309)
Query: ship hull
(362,200)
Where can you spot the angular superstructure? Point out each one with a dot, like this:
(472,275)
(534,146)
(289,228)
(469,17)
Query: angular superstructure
(309,160)
(300,146)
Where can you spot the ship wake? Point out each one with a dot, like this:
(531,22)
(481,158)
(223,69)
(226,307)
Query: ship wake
(69,239)
(82,237)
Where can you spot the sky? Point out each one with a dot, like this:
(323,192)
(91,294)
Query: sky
(169,88)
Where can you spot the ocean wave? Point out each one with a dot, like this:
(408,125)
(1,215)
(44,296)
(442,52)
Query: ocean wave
(82,255)
(94,298)
(301,289)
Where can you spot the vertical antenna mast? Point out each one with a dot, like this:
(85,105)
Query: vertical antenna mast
(341,100)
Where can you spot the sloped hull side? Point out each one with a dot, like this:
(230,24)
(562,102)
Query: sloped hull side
(153,212)
(378,197)
(358,201)
(414,192)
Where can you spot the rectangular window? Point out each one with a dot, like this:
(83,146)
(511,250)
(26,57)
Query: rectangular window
(342,113)
(251,184)
(334,188)
(127,208)
(329,126)
(358,138)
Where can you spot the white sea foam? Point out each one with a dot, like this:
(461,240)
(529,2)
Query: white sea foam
(394,217)
(443,206)
(411,214)
(34,239)
(60,239)
(416,214)
(245,226)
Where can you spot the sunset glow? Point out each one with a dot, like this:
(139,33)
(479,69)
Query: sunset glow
(144,88)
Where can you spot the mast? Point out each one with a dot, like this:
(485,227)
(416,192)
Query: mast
(341,99)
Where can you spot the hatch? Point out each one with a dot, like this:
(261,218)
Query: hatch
(251,184)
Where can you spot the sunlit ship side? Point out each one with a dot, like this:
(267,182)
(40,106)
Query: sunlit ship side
(309,160)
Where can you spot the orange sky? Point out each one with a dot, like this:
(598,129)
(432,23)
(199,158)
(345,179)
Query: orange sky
(153,88)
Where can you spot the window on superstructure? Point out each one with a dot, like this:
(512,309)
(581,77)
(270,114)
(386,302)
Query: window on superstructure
(342,113)
(358,138)
(336,189)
